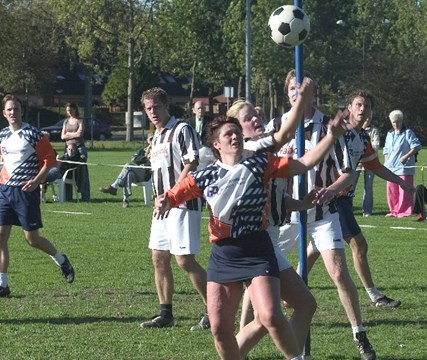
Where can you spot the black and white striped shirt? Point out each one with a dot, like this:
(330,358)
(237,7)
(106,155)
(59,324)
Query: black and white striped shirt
(174,147)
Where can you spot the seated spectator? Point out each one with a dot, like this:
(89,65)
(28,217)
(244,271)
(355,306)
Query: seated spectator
(132,173)
(420,201)
(65,162)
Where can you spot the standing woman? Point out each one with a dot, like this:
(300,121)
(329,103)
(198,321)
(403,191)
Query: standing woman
(73,132)
(235,187)
(401,145)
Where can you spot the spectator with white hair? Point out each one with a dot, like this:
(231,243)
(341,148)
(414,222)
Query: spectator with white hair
(401,145)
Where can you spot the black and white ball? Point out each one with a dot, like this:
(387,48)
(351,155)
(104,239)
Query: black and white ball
(289,26)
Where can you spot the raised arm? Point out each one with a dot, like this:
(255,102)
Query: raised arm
(288,127)
(336,128)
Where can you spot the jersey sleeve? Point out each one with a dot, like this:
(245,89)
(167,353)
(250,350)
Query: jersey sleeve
(278,167)
(369,159)
(189,144)
(184,191)
(45,153)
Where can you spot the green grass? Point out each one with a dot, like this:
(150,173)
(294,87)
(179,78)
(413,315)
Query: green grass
(98,316)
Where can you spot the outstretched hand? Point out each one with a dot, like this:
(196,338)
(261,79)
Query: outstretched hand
(338,126)
(306,89)
(310,199)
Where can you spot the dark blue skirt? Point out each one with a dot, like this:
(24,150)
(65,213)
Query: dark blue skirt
(242,258)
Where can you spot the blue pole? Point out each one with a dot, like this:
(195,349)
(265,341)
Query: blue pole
(299,70)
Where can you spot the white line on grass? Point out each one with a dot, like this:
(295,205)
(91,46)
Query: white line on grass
(69,212)
(392,227)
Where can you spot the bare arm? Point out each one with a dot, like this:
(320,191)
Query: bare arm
(187,168)
(325,195)
(67,135)
(288,127)
(336,128)
(388,175)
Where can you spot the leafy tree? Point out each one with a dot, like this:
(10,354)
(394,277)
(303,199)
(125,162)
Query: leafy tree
(189,42)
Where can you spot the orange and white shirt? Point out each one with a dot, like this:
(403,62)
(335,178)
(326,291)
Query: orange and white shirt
(24,152)
(236,195)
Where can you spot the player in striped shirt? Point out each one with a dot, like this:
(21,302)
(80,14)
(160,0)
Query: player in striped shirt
(174,152)
(331,176)
(358,141)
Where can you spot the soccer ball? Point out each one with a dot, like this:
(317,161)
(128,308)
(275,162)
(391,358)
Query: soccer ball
(289,26)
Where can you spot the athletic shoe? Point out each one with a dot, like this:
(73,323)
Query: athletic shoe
(365,348)
(4,291)
(203,324)
(125,204)
(67,270)
(389,215)
(158,322)
(108,190)
(386,302)
(366,214)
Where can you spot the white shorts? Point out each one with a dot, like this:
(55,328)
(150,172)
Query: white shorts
(179,233)
(282,260)
(325,234)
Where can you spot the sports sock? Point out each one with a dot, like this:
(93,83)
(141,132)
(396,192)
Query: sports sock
(58,258)
(3,279)
(357,329)
(373,293)
(166,310)
(299,357)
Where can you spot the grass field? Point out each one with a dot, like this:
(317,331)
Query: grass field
(98,316)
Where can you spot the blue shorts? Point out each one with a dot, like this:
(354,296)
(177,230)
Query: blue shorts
(349,225)
(20,208)
(242,258)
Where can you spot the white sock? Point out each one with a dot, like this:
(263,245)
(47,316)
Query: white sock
(299,357)
(373,293)
(357,329)
(58,258)
(3,279)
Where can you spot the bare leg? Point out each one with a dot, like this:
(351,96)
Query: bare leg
(4,249)
(312,257)
(359,250)
(223,302)
(297,295)
(163,275)
(195,272)
(265,296)
(336,266)
(247,314)
(35,240)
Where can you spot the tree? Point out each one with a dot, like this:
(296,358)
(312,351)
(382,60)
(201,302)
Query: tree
(189,41)
(101,32)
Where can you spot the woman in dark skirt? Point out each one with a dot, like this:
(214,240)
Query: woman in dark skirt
(235,188)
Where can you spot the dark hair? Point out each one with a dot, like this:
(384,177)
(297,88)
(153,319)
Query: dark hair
(155,92)
(213,130)
(10,97)
(360,93)
(73,105)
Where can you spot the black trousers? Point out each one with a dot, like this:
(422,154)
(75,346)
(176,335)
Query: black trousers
(420,200)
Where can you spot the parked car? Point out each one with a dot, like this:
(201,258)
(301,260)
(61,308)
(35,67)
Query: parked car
(101,131)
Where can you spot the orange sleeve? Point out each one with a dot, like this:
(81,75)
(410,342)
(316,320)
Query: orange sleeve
(369,159)
(372,165)
(45,153)
(184,191)
(278,167)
